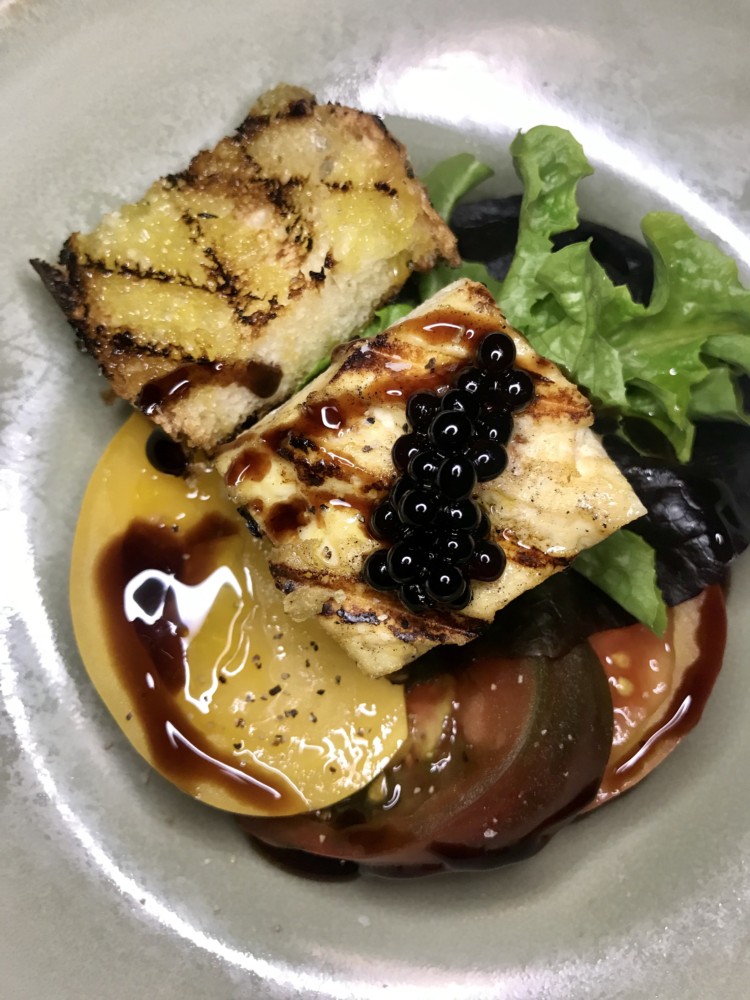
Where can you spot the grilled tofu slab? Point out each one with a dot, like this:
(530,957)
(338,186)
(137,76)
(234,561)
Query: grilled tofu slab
(309,474)
(211,299)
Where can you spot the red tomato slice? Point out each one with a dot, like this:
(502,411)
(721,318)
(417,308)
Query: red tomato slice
(502,753)
(659,686)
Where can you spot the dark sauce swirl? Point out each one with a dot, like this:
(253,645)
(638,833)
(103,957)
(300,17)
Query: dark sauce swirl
(141,575)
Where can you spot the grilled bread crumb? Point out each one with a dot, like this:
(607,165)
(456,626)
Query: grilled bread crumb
(208,302)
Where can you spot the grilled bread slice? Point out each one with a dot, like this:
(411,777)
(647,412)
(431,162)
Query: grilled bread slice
(210,300)
(309,474)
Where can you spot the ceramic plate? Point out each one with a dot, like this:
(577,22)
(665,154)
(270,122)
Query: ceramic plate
(112,883)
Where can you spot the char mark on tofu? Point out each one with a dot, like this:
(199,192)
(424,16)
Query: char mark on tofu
(208,302)
(320,464)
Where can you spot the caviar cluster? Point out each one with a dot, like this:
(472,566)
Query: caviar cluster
(437,533)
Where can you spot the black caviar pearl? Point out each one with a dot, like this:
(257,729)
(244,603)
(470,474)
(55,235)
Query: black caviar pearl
(488,562)
(470,380)
(421,408)
(376,571)
(460,401)
(459,603)
(425,540)
(461,515)
(445,583)
(418,507)
(423,467)
(414,597)
(166,455)
(496,353)
(450,432)
(493,394)
(484,526)
(518,388)
(456,477)
(402,486)
(405,564)
(494,423)
(404,450)
(488,459)
(455,547)
(384,522)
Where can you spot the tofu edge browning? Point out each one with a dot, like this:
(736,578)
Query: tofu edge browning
(558,475)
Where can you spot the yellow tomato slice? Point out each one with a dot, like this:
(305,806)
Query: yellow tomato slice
(184,635)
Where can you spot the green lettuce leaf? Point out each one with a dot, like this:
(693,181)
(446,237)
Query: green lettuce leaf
(432,281)
(655,363)
(550,163)
(624,567)
(652,412)
(699,311)
(717,397)
(446,184)
(452,178)
(581,290)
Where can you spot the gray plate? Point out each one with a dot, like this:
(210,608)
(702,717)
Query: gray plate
(112,883)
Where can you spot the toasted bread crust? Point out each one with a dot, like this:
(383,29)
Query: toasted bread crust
(209,301)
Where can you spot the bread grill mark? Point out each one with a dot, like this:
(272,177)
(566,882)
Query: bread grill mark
(254,123)
(66,283)
(201,220)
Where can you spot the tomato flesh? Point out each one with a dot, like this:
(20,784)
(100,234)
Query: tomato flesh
(659,685)
(501,754)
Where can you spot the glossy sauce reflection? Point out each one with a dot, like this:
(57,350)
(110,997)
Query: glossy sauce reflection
(315,439)
(261,379)
(184,635)
(153,581)
(653,709)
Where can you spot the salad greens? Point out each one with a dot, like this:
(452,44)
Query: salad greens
(659,367)
(624,566)
(669,362)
